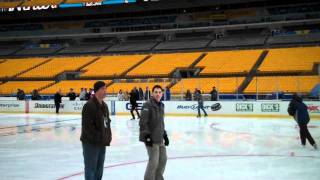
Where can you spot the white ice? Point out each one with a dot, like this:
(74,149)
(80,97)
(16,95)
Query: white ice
(37,146)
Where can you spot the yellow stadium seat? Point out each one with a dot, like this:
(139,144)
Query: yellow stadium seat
(111,65)
(13,67)
(76,85)
(164,64)
(223,85)
(290,84)
(291,59)
(41,2)
(27,86)
(57,66)
(13,3)
(116,87)
(223,62)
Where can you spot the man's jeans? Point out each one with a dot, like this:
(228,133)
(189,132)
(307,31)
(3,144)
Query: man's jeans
(93,161)
(157,162)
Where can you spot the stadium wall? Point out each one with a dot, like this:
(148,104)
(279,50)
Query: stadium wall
(172,108)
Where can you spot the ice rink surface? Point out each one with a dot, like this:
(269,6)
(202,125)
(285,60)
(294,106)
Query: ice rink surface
(38,146)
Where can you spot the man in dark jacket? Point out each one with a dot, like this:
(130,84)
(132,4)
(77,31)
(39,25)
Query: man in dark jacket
(95,133)
(134,97)
(299,111)
(72,95)
(153,134)
(214,94)
(57,100)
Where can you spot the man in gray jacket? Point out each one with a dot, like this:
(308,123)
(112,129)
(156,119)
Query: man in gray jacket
(153,134)
(95,133)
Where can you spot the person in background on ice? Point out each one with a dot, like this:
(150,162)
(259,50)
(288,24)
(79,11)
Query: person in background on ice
(35,95)
(140,94)
(120,95)
(134,97)
(72,95)
(168,94)
(214,94)
(57,100)
(21,95)
(199,98)
(299,111)
(82,95)
(88,94)
(147,94)
(95,133)
(154,135)
(188,95)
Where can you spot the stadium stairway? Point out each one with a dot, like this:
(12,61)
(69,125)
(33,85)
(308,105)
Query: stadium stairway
(22,72)
(134,66)
(253,71)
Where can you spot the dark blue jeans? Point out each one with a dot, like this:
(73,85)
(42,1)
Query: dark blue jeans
(93,161)
(200,106)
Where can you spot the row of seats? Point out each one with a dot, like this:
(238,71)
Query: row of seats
(13,67)
(224,85)
(164,64)
(28,86)
(221,62)
(58,65)
(111,65)
(76,85)
(291,59)
(283,83)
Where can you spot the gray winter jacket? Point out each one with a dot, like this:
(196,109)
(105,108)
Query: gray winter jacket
(152,121)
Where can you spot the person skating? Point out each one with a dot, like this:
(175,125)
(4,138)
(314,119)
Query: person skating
(199,98)
(134,96)
(299,111)
(154,135)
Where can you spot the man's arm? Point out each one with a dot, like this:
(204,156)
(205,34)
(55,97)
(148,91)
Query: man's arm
(144,120)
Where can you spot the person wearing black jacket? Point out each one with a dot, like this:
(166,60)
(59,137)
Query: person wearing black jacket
(72,95)
(57,100)
(154,135)
(214,94)
(95,132)
(134,96)
(299,111)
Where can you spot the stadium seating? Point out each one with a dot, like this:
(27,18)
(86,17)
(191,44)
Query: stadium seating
(111,65)
(57,66)
(41,2)
(13,67)
(115,87)
(224,62)
(66,85)
(223,85)
(290,84)
(291,59)
(27,86)
(164,64)
(10,4)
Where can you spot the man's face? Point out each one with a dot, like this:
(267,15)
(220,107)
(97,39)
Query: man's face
(101,93)
(157,94)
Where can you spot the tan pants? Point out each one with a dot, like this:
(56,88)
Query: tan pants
(157,162)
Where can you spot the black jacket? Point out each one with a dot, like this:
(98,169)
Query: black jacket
(152,121)
(96,123)
(57,98)
(134,97)
(72,96)
(299,111)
